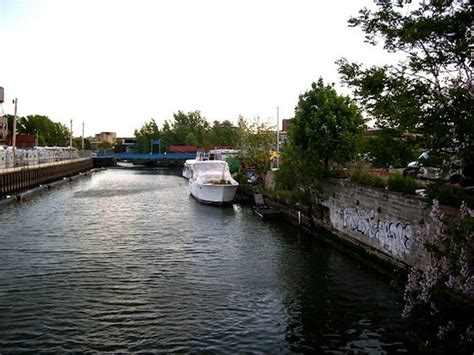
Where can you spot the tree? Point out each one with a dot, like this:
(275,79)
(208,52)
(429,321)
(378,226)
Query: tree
(221,134)
(326,129)
(49,133)
(77,143)
(430,91)
(145,134)
(390,148)
(326,126)
(167,136)
(255,140)
(105,145)
(186,123)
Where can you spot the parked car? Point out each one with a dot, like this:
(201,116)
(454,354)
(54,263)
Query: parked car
(420,169)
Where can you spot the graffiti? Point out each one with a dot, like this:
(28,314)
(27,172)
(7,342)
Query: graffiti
(394,236)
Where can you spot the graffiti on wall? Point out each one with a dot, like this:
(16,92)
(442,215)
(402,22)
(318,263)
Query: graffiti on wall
(395,237)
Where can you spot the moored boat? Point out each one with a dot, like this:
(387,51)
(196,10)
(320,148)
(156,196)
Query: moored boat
(210,181)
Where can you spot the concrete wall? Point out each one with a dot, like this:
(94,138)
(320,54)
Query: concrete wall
(391,223)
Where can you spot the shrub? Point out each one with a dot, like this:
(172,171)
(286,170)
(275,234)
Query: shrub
(449,195)
(399,183)
(365,178)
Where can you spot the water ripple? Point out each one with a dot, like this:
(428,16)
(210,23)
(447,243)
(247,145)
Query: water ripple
(126,261)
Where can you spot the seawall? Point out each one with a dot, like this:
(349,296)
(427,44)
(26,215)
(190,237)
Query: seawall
(17,180)
(384,226)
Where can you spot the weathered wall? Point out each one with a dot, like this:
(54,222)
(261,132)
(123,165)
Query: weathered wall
(391,223)
(16,180)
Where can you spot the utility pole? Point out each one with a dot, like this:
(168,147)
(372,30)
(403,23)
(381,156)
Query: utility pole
(278,137)
(70,137)
(82,142)
(14,131)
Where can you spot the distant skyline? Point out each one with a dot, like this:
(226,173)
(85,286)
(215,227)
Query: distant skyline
(115,64)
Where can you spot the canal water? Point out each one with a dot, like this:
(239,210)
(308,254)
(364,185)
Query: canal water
(126,260)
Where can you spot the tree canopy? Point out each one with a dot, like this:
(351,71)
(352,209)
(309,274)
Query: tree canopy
(255,139)
(187,129)
(145,134)
(49,133)
(430,91)
(326,126)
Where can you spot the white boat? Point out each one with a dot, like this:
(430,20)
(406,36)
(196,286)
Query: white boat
(210,181)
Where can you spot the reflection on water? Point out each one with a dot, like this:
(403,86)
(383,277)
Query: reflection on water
(126,260)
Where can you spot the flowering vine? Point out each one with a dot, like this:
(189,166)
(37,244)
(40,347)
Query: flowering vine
(440,299)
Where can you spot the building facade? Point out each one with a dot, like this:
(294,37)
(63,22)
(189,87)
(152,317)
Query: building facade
(106,137)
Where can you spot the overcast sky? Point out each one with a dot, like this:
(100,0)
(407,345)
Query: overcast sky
(116,64)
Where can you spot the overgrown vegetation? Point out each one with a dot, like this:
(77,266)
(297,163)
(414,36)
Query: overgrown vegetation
(404,184)
(366,178)
(448,194)
(439,302)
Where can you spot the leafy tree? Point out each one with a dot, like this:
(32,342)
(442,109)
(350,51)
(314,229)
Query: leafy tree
(186,123)
(105,145)
(430,91)
(49,133)
(255,140)
(326,126)
(77,143)
(325,129)
(390,148)
(221,134)
(167,136)
(145,134)
(191,139)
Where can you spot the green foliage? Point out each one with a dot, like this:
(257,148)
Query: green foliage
(191,139)
(49,133)
(255,140)
(390,148)
(77,143)
(429,91)
(326,126)
(145,134)
(399,183)
(449,195)
(187,129)
(190,126)
(221,134)
(105,145)
(366,178)
(326,129)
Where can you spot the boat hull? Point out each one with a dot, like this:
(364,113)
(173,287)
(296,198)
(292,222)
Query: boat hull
(213,194)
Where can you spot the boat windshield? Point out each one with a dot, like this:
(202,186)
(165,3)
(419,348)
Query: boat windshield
(212,166)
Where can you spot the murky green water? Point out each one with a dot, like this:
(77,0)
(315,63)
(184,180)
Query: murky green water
(126,260)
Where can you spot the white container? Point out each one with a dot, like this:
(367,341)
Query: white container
(30,157)
(19,157)
(3,158)
(9,158)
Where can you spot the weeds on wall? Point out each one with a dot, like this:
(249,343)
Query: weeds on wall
(404,184)
(365,178)
(439,302)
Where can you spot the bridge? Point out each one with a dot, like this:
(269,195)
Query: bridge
(155,159)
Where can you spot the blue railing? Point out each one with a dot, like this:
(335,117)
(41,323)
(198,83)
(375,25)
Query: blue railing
(155,156)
